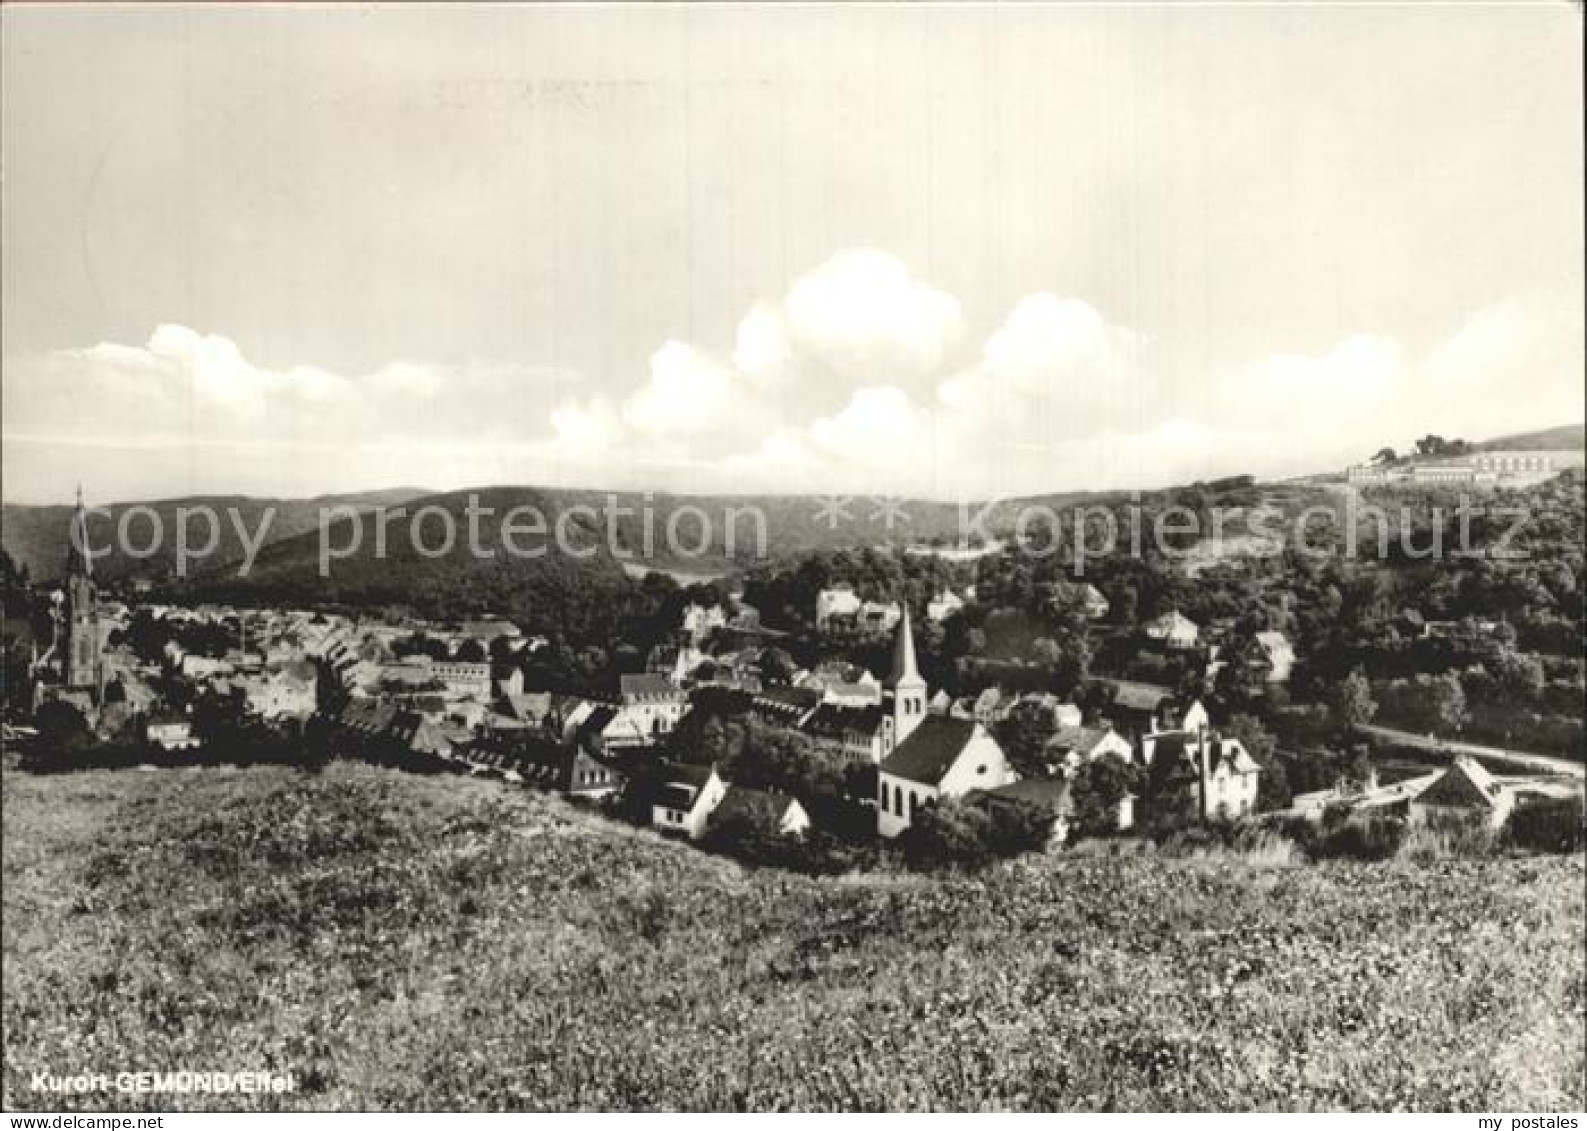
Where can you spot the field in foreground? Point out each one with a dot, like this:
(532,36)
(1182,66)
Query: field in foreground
(418,943)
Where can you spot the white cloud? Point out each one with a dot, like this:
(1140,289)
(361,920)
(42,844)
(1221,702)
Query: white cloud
(863,315)
(687,393)
(845,385)
(762,350)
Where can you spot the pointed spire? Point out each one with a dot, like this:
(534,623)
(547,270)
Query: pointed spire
(904,670)
(78,562)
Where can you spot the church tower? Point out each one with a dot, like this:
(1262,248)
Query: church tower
(904,692)
(81,666)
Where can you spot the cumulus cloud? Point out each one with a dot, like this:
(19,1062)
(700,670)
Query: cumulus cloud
(862,313)
(1057,357)
(688,392)
(853,381)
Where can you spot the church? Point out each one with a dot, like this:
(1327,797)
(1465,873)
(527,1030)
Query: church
(72,670)
(928,756)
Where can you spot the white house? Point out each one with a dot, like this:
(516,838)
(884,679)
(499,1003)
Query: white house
(1278,655)
(944,605)
(1078,745)
(699,621)
(171,731)
(838,601)
(1228,778)
(1174,630)
(652,702)
(689,795)
(941,757)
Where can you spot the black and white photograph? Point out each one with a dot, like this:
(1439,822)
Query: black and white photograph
(967,557)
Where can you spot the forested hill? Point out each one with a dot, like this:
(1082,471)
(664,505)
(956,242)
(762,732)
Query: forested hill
(1548,440)
(37,537)
(704,534)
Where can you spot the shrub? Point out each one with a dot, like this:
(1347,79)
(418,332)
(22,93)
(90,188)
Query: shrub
(1550,826)
(1360,838)
(1447,839)
(948,834)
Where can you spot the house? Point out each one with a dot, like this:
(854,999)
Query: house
(489,629)
(769,812)
(848,684)
(463,678)
(1084,596)
(381,730)
(838,601)
(652,702)
(288,693)
(676,662)
(196,668)
(985,711)
(1051,794)
(1055,795)
(686,799)
(1464,792)
(940,757)
(1371,797)
(861,732)
(943,606)
(785,706)
(607,727)
(699,621)
(1202,772)
(170,731)
(879,616)
(571,770)
(1173,630)
(1275,655)
(1138,709)
(1073,746)
(1045,709)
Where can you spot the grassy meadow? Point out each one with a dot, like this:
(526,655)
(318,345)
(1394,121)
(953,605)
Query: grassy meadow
(422,943)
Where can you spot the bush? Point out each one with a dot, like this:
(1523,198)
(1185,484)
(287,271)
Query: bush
(1550,826)
(1360,838)
(1447,839)
(948,834)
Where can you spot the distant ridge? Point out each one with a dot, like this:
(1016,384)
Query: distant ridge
(1548,439)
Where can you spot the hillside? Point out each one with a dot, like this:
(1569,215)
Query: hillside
(402,943)
(37,536)
(1549,439)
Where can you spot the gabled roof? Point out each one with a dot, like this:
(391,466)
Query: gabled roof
(1135,696)
(1053,793)
(931,749)
(1465,785)
(686,773)
(755,805)
(648,685)
(1229,751)
(834,720)
(1081,739)
(988,699)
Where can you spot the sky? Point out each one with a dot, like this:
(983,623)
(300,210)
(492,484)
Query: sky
(956,252)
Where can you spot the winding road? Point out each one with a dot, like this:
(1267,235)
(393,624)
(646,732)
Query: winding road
(1542,762)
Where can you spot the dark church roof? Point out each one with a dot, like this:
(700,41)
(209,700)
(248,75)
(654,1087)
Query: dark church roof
(928,753)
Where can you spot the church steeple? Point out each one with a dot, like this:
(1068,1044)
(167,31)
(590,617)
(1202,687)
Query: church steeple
(905,690)
(81,663)
(78,563)
(904,670)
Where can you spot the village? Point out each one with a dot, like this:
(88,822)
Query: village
(872,752)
